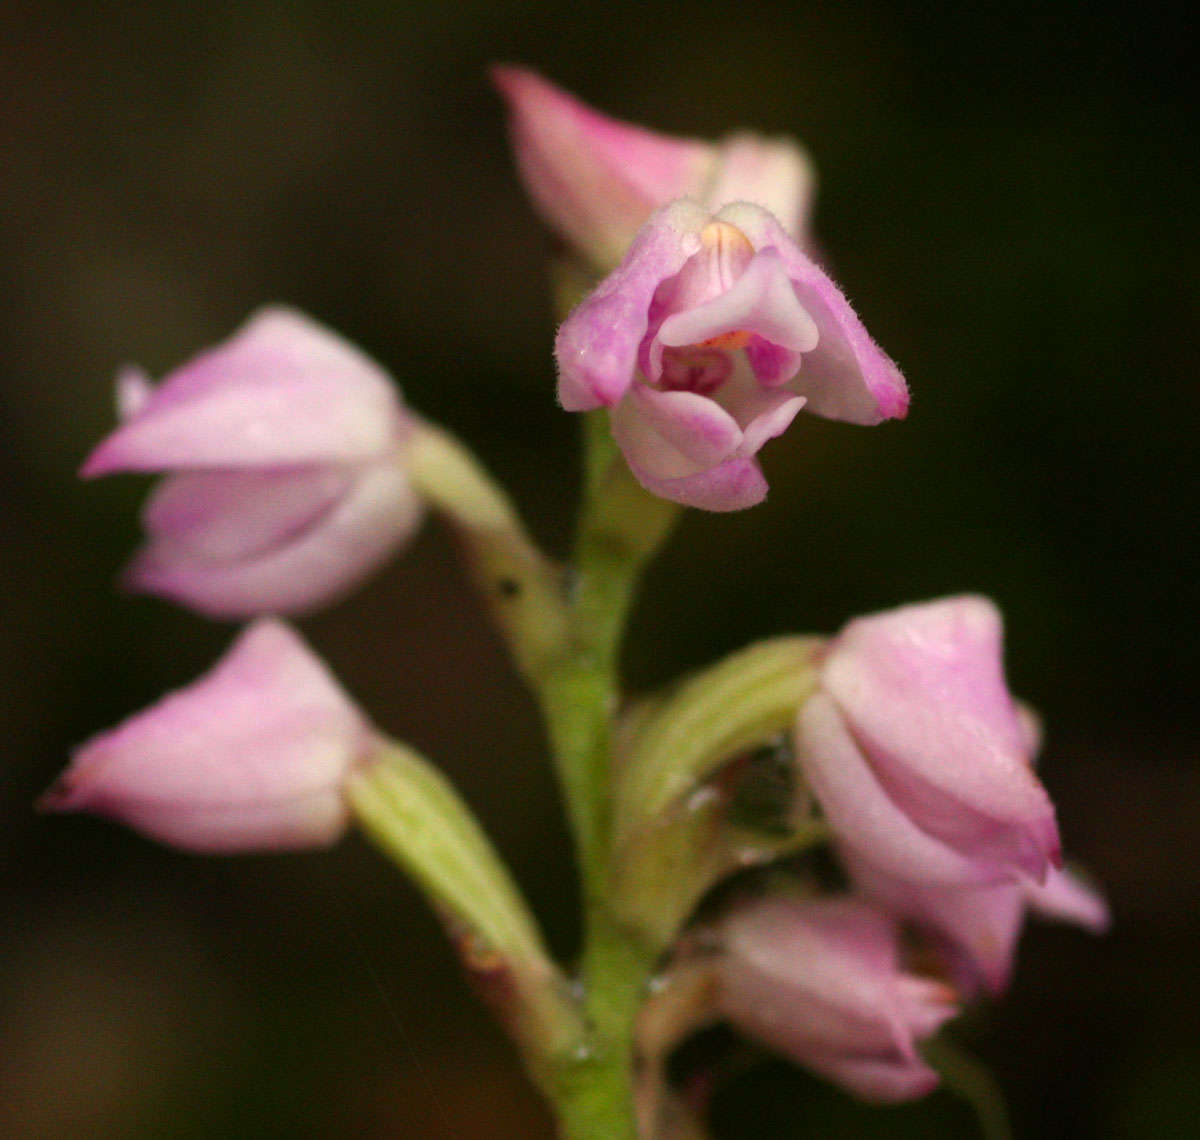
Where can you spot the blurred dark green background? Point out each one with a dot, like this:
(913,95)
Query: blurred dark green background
(1009,197)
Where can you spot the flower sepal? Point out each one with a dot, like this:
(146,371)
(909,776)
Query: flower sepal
(825,982)
(918,754)
(252,756)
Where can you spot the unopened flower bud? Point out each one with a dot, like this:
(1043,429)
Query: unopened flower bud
(597,180)
(253,756)
(821,981)
(285,452)
(918,754)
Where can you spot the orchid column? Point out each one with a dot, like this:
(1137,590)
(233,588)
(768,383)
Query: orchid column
(696,326)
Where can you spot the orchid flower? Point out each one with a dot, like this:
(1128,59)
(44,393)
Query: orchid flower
(918,754)
(253,756)
(285,454)
(706,341)
(821,981)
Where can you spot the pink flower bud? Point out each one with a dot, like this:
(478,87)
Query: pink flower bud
(706,341)
(917,753)
(596,180)
(821,981)
(981,925)
(287,485)
(250,757)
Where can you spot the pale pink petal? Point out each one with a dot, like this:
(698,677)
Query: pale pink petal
(861,812)
(225,516)
(772,365)
(593,178)
(317,819)
(638,438)
(338,549)
(771,421)
(828,946)
(820,980)
(1027,845)
(772,173)
(730,486)
(826,972)
(282,390)
(761,413)
(691,424)
(724,254)
(252,756)
(847,376)
(982,924)
(923,689)
(597,345)
(1068,898)
(1031,729)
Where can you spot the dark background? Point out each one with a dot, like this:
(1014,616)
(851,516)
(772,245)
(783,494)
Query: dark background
(1008,195)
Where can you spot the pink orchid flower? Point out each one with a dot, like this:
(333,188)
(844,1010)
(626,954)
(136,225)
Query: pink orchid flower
(918,755)
(285,451)
(250,757)
(706,341)
(821,981)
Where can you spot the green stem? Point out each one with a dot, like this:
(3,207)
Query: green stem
(596,1102)
(576,698)
(621,527)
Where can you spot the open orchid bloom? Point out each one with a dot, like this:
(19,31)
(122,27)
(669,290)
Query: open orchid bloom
(253,756)
(596,180)
(285,453)
(821,981)
(919,756)
(706,341)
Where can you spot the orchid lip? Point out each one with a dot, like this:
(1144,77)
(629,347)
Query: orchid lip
(760,302)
